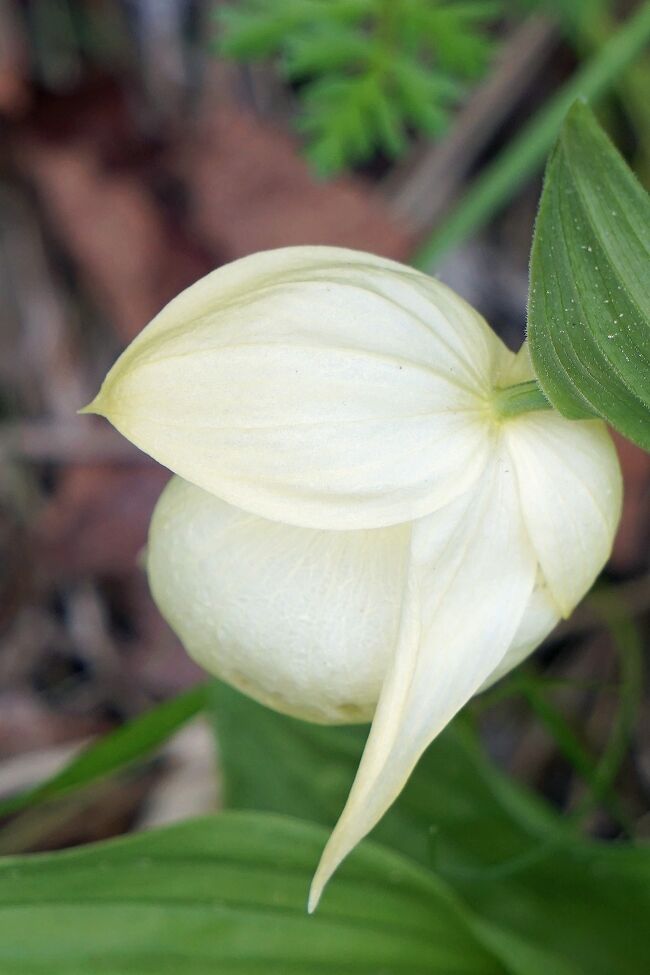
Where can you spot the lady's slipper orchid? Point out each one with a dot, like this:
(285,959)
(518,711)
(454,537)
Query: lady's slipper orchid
(356,530)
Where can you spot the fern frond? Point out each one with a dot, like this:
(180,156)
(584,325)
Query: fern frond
(371,71)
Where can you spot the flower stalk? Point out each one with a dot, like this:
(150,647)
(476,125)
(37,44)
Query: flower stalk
(510,401)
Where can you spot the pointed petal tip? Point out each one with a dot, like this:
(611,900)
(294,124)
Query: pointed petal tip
(316,890)
(321,878)
(95,406)
(563,606)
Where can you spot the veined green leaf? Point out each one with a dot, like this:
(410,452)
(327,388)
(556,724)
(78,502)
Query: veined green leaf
(455,808)
(132,741)
(589,307)
(227,895)
(518,863)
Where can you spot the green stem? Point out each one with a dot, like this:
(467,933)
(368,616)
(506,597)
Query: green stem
(522,398)
(526,153)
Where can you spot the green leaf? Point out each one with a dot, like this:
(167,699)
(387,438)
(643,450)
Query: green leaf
(247,34)
(370,70)
(328,49)
(589,307)
(573,749)
(589,901)
(498,182)
(132,741)
(227,895)
(455,808)
(424,94)
(453,32)
(512,858)
(338,115)
(254,28)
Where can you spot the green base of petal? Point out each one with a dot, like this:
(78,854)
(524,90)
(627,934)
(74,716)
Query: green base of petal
(521,398)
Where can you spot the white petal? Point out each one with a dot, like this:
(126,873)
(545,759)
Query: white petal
(516,368)
(571,490)
(315,386)
(304,621)
(540,617)
(471,575)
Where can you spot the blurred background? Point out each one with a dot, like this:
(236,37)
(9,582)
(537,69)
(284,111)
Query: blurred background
(144,143)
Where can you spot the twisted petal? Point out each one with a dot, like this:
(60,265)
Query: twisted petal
(315,386)
(571,490)
(540,617)
(471,576)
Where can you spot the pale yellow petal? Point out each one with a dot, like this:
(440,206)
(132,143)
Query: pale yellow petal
(304,621)
(540,618)
(570,488)
(314,386)
(516,368)
(471,576)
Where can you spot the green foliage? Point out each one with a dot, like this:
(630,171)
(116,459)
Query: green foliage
(133,741)
(570,12)
(278,764)
(476,874)
(589,306)
(524,155)
(515,861)
(227,895)
(369,71)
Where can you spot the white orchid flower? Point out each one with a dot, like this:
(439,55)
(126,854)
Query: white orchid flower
(359,529)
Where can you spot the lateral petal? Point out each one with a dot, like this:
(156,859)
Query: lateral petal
(540,617)
(320,387)
(471,575)
(570,488)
